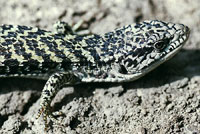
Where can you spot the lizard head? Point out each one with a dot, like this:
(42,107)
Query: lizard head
(148,44)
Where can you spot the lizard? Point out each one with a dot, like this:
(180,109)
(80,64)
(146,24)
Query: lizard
(64,57)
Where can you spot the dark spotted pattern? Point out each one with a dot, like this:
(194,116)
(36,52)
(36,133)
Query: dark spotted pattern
(63,57)
(26,50)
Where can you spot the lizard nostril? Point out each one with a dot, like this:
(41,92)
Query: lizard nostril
(187,30)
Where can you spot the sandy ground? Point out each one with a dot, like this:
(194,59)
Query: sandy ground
(167,100)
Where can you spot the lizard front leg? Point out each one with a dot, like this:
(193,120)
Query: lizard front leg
(53,84)
(61,27)
(64,28)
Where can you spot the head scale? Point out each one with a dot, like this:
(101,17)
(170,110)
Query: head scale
(148,44)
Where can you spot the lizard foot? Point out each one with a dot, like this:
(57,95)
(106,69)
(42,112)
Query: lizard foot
(45,111)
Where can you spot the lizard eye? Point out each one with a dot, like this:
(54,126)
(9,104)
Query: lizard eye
(160,45)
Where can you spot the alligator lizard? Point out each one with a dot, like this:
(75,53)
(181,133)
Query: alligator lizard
(62,57)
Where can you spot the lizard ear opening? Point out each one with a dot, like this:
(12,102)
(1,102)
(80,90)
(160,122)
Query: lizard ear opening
(123,70)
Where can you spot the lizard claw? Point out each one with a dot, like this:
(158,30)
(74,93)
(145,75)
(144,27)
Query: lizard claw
(46,112)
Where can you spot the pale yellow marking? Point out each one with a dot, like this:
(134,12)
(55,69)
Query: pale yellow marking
(53,57)
(33,54)
(34,29)
(2,59)
(19,58)
(2,40)
(85,52)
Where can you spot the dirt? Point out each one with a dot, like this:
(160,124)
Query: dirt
(167,100)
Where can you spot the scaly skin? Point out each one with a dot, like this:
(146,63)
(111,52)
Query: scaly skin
(63,57)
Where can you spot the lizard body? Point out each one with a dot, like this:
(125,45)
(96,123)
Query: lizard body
(125,54)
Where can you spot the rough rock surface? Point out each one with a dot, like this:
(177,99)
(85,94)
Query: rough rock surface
(166,100)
